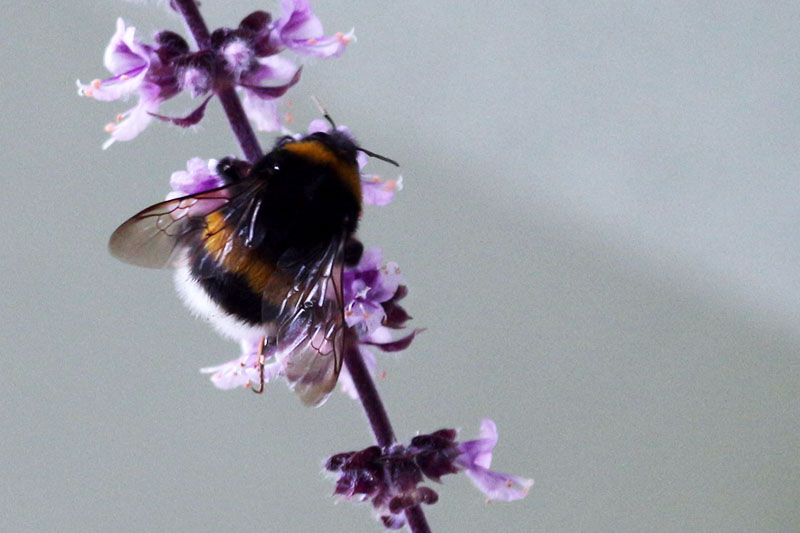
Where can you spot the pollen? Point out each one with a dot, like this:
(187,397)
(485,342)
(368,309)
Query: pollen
(390,185)
(120,117)
(383,374)
(95,83)
(124,77)
(311,41)
(110,127)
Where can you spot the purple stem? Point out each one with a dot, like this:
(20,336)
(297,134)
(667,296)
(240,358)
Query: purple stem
(416,520)
(379,420)
(368,394)
(240,125)
(230,100)
(370,400)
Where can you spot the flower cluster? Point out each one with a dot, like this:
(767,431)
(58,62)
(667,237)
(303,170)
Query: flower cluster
(390,478)
(246,58)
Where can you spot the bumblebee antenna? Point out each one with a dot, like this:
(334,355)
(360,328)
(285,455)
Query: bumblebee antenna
(379,156)
(323,111)
(333,125)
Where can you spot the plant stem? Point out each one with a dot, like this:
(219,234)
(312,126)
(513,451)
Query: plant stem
(240,125)
(370,400)
(368,394)
(379,420)
(227,96)
(194,20)
(416,520)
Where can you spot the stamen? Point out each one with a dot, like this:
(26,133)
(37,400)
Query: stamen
(96,83)
(120,117)
(311,41)
(124,77)
(288,118)
(110,127)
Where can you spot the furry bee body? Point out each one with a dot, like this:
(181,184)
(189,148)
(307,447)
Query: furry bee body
(262,255)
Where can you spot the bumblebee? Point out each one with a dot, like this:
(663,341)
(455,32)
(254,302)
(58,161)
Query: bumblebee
(261,257)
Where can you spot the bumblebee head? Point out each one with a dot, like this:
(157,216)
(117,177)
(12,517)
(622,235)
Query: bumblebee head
(338,140)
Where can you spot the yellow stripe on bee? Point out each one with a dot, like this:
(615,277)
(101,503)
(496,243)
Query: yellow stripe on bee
(320,154)
(221,245)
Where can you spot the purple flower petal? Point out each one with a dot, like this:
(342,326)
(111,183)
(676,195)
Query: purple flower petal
(269,69)
(395,345)
(301,31)
(189,120)
(198,177)
(366,286)
(133,121)
(476,458)
(378,191)
(128,60)
(275,91)
(124,53)
(497,486)
(243,371)
(297,22)
(479,451)
(262,111)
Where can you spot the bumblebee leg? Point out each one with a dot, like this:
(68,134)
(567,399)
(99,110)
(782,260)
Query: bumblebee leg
(261,360)
(265,351)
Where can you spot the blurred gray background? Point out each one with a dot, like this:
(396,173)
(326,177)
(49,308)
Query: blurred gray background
(599,228)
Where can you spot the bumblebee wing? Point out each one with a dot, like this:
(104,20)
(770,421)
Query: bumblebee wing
(155,237)
(310,327)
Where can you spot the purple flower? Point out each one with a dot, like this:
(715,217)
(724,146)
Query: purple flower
(390,477)
(376,190)
(301,31)
(243,371)
(260,101)
(132,64)
(366,287)
(476,458)
(244,57)
(372,291)
(127,59)
(199,176)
